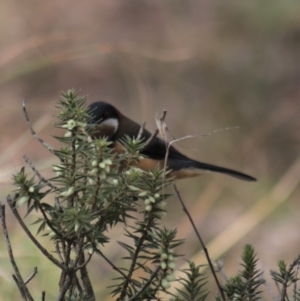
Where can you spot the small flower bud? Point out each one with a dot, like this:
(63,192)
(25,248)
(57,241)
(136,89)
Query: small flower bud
(172,265)
(71,124)
(94,171)
(69,192)
(164,256)
(58,167)
(31,189)
(81,124)
(147,202)
(165,284)
(133,188)
(171,277)
(95,163)
(160,205)
(68,134)
(92,181)
(23,199)
(144,193)
(108,162)
(171,257)
(76,226)
(163,265)
(152,199)
(148,208)
(157,196)
(102,165)
(160,214)
(138,227)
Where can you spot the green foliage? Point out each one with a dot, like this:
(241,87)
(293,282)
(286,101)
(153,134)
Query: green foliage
(194,284)
(244,286)
(95,190)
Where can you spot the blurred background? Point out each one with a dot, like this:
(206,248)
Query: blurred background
(211,64)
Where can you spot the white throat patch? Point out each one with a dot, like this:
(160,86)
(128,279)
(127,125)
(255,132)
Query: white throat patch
(110,125)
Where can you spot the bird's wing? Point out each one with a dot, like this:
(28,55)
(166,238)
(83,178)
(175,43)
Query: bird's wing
(157,149)
(179,162)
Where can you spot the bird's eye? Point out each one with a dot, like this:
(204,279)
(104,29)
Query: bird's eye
(105,115)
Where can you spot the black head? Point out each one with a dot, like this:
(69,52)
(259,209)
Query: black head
(105,117)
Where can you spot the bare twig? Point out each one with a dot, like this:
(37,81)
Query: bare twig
(159,123)
(154,134)
(21,289)
(57,205)
(295,290)
(49,224)
(18,278)
(139,136)
(148,282)
(107,260)
(88,288)
(188,137)
(43,296)
(201,242)
(64,289)
(35,271)
(58,252)
(42,179)
(274,298)
(219,268)
(33,239)
(84,263)
(287,277)
(34,134)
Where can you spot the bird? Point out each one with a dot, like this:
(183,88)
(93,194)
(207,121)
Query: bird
(111,123)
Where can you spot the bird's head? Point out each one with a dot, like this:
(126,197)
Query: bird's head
(105,118)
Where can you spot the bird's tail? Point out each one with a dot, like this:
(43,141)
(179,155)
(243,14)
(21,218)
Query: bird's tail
(190,168)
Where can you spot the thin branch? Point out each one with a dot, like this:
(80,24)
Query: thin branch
(219,268)
(201,242)
(58,252)
(112,265)
(42,179)
(43,296)
(35,271)
(139,136)
(134,258)
(64,289)
(21,289)
(7,241)
(88,288)
(34,134)
(18,278)
(154,134)
(78,285)
(84,263)
(50,224)
(161,124)
(295,283)
(33,239)
(287,277)
(149,281)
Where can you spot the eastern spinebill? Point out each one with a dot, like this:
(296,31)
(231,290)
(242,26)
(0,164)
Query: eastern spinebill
(111,123)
